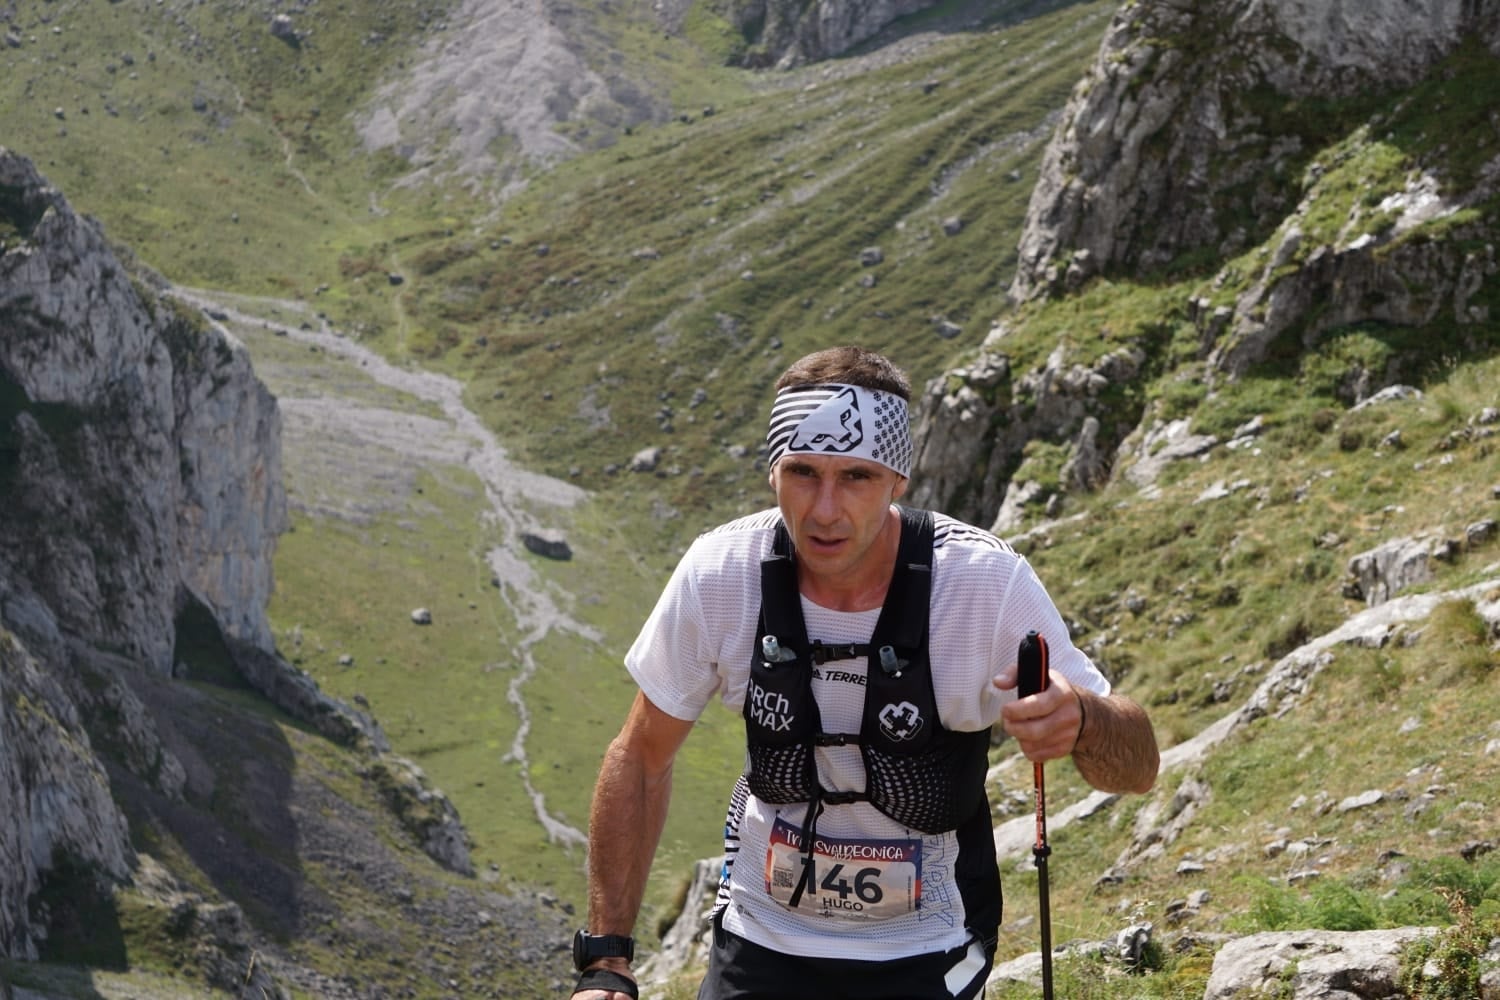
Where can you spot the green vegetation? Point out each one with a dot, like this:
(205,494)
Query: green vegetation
(1179,976)
(1455,954)
(648,291)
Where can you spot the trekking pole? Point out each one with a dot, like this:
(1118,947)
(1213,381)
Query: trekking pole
(1031,662)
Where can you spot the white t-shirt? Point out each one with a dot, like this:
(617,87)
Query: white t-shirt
(698,642)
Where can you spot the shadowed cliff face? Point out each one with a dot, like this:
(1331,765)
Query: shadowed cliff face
(140,485)
(56,801)
(139,478)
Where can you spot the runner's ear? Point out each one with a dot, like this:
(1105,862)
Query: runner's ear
(900,488)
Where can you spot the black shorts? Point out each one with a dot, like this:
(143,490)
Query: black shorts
(741,970)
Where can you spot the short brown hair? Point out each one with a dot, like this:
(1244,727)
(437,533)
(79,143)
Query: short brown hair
(847,366)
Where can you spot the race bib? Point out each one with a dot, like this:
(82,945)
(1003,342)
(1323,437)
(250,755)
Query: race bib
(849,879)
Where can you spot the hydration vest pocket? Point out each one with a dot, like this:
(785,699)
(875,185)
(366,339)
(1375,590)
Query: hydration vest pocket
(933,791)
(782,775)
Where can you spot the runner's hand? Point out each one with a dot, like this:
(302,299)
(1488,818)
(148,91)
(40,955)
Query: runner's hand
(1044,724)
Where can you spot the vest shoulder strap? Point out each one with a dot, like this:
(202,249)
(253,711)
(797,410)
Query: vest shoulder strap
(904,617)
(780,601)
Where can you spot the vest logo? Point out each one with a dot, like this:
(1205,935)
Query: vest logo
(769,709)
(901,721)
(833,427)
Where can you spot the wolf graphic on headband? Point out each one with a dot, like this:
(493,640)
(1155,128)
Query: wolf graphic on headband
(833,427)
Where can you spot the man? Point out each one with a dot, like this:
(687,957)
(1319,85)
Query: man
(870,649)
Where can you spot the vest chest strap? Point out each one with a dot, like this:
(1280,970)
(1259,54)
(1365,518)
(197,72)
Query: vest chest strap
(823,652)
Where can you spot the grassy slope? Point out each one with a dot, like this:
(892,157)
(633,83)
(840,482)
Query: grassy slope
(185,128)
(790,185)
(755,219)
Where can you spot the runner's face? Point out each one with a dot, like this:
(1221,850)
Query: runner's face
(836,508)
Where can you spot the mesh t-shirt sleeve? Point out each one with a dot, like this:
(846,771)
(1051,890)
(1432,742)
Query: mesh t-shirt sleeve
(670,658)
(1027,607)
(986,597)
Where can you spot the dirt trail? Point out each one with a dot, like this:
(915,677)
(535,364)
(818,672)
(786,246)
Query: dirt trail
(457,436)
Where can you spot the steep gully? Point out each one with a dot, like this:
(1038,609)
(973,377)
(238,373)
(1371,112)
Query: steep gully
(512,492)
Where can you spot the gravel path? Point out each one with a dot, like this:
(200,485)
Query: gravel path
(345,434)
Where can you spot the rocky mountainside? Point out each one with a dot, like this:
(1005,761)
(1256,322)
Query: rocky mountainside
(1167,143)
(140,475)
(1179,145)
(1170,152)
(787,33)
(1188,142)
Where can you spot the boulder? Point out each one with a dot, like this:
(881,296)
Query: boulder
(646,460)
(1377,575)
(549,546)
(1310,965)
(282,28)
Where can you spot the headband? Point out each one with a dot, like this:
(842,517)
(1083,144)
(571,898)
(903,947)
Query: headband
(841,420)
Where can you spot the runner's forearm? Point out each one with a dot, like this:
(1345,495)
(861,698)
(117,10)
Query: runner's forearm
(1116,750)
(625,824)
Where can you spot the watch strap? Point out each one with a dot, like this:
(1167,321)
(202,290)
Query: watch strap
(592,947)
(610,981)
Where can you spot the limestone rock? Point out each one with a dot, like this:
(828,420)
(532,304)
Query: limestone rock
(794,32)
(140,475)
(974,422)
(1384,571)
(646,460)
(1156,135)
(687,942)
(141,439)
(1311,964)
(425,811)
(56,794)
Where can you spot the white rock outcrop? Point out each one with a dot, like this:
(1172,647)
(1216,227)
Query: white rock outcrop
(144,455)
(1159,128)
(140,472)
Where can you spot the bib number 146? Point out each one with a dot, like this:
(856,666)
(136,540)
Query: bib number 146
(865,885)
(851,879)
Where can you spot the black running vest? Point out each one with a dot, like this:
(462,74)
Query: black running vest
(919,774)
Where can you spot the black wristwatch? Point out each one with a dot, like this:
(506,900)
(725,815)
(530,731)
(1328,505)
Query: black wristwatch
(589,948)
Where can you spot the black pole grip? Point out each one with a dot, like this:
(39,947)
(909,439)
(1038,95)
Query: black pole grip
(1032,677)
(1031,663)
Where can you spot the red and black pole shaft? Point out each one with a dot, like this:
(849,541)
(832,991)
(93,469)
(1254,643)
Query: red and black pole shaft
(1031,661)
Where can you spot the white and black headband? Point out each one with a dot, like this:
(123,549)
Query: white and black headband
(833,419)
